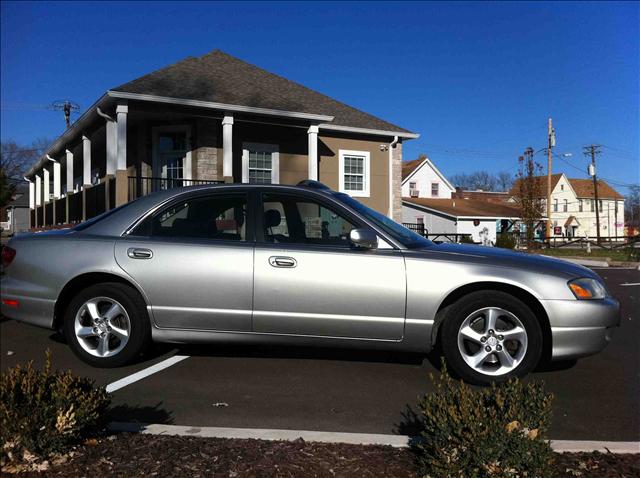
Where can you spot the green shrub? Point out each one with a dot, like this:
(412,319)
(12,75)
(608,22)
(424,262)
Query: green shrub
(491,432)
(45,411)
(466,240)
(506,241)
(632,253)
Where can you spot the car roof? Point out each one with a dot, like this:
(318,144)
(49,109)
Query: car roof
(117,223)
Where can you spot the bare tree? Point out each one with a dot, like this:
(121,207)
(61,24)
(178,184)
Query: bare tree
(504,180)
(15,159)
(529,194)
(632,207)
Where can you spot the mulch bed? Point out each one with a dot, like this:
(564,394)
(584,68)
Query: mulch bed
(131,455)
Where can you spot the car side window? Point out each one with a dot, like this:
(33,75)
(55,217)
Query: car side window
(221,217)
(298,220)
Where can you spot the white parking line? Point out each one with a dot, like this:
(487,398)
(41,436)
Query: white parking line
(128,380)
(398,441)
(627,284)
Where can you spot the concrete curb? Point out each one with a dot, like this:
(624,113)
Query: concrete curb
(397,441)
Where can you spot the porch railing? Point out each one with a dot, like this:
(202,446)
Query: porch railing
(437,237)
(142,185)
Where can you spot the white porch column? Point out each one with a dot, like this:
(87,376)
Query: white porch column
(57,182)
(47,185)
(86,161)
(69,164)
(121,119)
(312,134)
(227,146)
(38,190)
(32,195)
(112,147)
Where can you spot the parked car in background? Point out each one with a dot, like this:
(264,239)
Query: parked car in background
(301,266)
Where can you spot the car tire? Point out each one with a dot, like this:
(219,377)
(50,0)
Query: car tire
(107,325)
(490,336)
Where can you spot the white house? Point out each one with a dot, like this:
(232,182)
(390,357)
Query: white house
(421,179)
(573,207)
(481,219)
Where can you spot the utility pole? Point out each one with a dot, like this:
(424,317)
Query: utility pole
(593,150)
(551,143)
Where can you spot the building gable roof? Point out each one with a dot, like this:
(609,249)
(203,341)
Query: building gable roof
(583,188)
(542,180)
(465,207)
(409,168)
(221,78)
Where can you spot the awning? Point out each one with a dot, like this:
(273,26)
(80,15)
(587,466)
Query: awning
(571,221)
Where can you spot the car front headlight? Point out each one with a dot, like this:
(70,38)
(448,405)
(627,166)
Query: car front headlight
(587,289)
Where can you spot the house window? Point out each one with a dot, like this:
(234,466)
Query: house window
(260,163)
(355,173)
(412,185)
(555,205)
(562,187)
(565,207)
(592,205)
(434,189)
(600,205)
(580,205)
(171,156)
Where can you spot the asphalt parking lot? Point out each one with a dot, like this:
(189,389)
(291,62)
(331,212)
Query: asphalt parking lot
(345,391)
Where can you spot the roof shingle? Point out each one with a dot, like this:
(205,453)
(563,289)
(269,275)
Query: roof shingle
(221,78)
(466,207)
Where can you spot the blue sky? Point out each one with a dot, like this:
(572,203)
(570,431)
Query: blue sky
(476,80)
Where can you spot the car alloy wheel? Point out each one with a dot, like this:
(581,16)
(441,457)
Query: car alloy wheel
(102,327)
(492,341)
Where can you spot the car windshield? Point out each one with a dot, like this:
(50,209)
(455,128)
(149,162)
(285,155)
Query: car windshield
(405,236)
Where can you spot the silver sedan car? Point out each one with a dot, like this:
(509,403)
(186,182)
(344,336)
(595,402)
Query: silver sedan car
(300,265)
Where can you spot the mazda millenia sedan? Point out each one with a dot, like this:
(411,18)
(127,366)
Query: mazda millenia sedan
(298,265)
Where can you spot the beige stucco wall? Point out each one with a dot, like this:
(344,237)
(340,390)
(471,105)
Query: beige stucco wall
(329,152)
(293,144)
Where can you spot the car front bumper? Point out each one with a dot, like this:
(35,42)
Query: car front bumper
(581,327)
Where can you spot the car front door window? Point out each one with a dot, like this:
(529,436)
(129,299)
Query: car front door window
(297,220)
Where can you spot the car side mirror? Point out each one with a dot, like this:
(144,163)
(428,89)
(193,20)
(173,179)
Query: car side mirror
(363,238)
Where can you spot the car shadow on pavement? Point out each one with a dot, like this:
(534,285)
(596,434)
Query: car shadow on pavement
(138,414)
(295,352)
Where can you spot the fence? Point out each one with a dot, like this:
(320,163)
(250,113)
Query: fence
(438,237)
(94,200)
(142,185)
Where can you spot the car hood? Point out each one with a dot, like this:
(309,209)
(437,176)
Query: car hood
(505,258)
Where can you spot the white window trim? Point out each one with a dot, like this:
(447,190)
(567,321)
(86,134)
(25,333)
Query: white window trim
(274,149)
(366,192)
(155,165)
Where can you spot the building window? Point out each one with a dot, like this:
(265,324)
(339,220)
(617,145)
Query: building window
(434,189)
(555,205)
(171,156)
(355,173)
(260,163)
(412,185)
(562,187)
(592,205)
(580,205)
(565,207)
(600,205)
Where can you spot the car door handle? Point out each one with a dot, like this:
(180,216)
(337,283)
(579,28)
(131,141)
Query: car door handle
(138,253)
(280,261)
